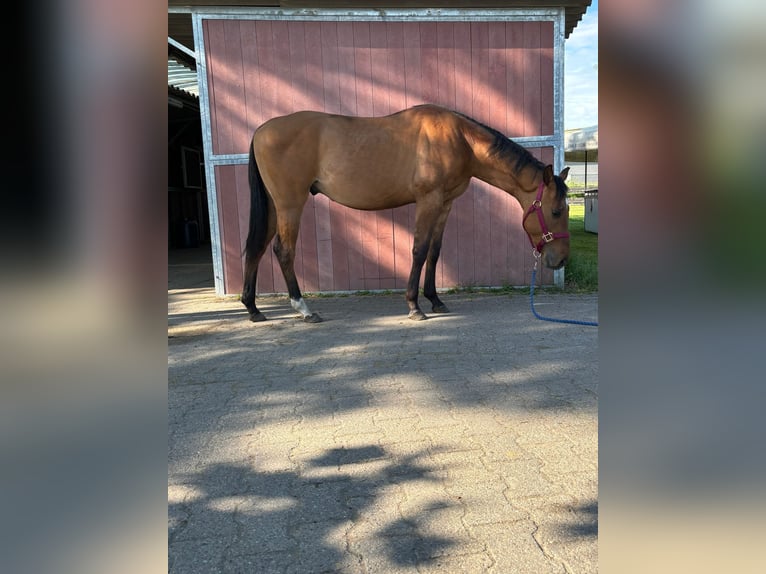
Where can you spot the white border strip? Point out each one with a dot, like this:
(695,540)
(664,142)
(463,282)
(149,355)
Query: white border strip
(559,36)
(370,15)
(207,148)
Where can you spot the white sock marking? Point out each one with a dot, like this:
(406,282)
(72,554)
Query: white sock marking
(300,306)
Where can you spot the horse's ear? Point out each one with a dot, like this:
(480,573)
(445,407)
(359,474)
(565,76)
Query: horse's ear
(548,174)
(564,173)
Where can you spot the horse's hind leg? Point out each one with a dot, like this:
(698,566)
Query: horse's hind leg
(252,260)
(248,290)
(284,249)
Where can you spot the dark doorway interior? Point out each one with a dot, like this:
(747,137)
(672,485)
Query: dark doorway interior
(189,250)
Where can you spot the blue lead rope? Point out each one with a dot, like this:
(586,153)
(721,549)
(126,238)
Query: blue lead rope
(536,314)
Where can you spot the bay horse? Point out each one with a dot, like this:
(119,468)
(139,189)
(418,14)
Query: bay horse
(425,155)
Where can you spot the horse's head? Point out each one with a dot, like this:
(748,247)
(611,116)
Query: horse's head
(548,229)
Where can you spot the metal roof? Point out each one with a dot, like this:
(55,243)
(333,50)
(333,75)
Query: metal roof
(182,77)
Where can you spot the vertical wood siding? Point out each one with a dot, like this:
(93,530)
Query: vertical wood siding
(500,73)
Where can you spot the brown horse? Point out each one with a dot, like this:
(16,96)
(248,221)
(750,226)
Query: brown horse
(425,155)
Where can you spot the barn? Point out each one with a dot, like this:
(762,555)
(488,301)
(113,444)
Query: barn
(501,63)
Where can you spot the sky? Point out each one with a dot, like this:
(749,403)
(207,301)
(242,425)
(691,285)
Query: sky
(581,72)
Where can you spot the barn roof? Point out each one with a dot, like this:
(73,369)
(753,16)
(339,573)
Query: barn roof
(182,77)
(180,26)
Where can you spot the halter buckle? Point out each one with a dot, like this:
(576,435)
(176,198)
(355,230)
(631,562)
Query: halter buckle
(537,204)
(548,237)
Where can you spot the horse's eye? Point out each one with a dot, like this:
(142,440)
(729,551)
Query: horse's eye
(556,213)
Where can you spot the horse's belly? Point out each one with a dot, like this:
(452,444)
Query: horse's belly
(368,199)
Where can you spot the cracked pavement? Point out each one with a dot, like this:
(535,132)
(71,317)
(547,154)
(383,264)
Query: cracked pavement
(373,444)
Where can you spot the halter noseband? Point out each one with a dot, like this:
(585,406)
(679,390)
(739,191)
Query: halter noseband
(537,206)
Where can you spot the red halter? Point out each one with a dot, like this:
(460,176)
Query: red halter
(537,206)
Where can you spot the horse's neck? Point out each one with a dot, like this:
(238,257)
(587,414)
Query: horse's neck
(500,172)
(499,169)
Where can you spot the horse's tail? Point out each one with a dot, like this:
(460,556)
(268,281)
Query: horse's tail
(259,209)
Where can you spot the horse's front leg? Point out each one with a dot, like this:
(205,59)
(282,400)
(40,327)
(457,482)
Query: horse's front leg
(427,213)
(429,285)
(419,253)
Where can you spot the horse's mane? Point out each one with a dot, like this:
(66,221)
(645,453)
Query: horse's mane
(509,150)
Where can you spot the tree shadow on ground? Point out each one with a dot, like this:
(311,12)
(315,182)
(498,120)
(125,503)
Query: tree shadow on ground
(235,386)
(306,519)
(517,362)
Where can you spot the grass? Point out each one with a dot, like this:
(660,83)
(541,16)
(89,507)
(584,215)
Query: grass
(576,185)
(581,275)
(507,290)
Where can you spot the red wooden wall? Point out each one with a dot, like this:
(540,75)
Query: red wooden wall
(500,73)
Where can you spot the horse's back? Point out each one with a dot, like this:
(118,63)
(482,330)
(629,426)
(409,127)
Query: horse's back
(335,131)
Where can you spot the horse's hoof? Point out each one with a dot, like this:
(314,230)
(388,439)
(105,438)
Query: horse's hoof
(440,308)
(417,315)
(313,318)
(257,317)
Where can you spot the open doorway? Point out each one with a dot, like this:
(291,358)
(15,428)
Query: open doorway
(190,261)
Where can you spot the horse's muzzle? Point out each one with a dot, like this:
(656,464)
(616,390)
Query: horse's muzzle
(554,261)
